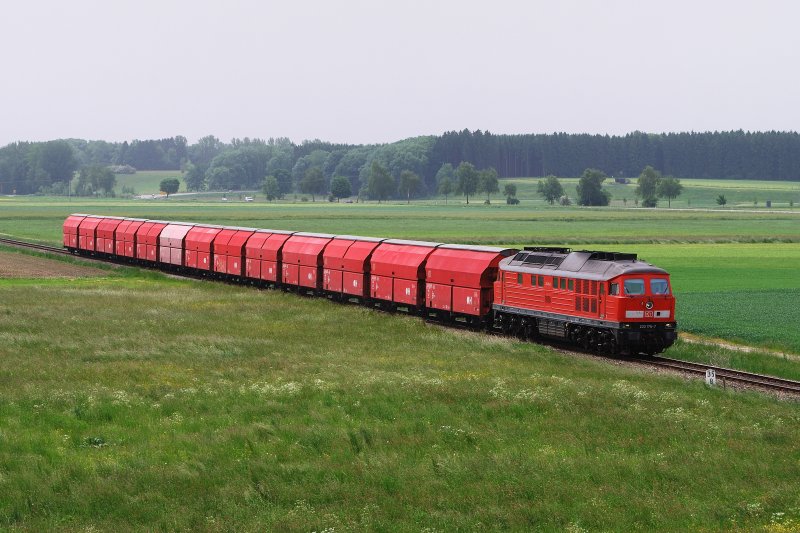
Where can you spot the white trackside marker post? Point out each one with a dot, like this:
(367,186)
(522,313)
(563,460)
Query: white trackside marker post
(711,377)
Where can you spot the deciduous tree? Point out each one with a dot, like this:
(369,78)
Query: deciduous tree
(380,184)
(340,187)
(445,187)
(195,177)
(550,189)
(169,186)
(669,188)
(467,179)
(590,188)
(410,183)
(272,189)
(488,183)
(647,186)
(313,182)
(95,178)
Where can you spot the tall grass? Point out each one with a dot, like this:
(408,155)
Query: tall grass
(160,404)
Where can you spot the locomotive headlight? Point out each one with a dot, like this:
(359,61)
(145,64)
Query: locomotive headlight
(649,304)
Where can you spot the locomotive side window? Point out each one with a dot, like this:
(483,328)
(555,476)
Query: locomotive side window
(541,281)
(519,279)
(602,289)
(634,287)
(614,289)
(563,283)
(533,280)
(659,286)
(555,282)
(571,285)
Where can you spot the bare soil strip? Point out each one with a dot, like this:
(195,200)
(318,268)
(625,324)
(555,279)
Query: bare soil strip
(14,265)
(688,337)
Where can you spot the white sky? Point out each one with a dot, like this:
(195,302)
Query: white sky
(362,71)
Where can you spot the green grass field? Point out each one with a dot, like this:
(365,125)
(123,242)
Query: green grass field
(165,404)
(147,181)
(37,218)
(751,194)
(140,403)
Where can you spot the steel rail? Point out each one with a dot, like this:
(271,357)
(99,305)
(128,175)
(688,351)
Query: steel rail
(725,374)
(34,246)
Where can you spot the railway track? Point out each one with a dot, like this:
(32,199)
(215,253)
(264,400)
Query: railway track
(725,375)
(33,246)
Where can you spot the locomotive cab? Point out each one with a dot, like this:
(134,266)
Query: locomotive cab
(643,304)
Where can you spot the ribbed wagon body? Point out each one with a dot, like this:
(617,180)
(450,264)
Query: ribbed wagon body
(263,255)
(346,265)
(302,260)
(459,278)
(398,272)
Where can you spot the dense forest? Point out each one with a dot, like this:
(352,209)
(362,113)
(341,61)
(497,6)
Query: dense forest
(245,163)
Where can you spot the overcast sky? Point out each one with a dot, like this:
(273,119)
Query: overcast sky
(378,71)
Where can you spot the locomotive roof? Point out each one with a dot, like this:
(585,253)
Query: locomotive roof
(584,264)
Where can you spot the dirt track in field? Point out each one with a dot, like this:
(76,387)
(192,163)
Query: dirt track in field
(14,265)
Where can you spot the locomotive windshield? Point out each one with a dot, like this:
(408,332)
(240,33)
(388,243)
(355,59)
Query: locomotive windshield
(659,286)
(634,287)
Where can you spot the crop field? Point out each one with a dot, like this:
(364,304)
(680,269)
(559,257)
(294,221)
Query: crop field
(134,401)
(494,224)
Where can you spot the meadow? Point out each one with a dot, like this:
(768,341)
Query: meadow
(135,401)
(750,194)
(140,402)
(146,181)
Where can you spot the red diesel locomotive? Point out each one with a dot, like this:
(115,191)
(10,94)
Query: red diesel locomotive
(603,301)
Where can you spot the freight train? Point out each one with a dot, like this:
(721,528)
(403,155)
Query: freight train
(608,302)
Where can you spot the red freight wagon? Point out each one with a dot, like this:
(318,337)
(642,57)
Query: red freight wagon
(147,239)
(263,254)
(71,226)
(398,271)
(459,279)
(346,264)
(229,250)
(171,243)
(87,232)
(198,244)
(126,237)
(105,234)
(302,259)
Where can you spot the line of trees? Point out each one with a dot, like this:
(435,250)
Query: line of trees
(310,167)
(770,155)
(650,186)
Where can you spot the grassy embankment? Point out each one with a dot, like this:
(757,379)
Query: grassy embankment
(143,404)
